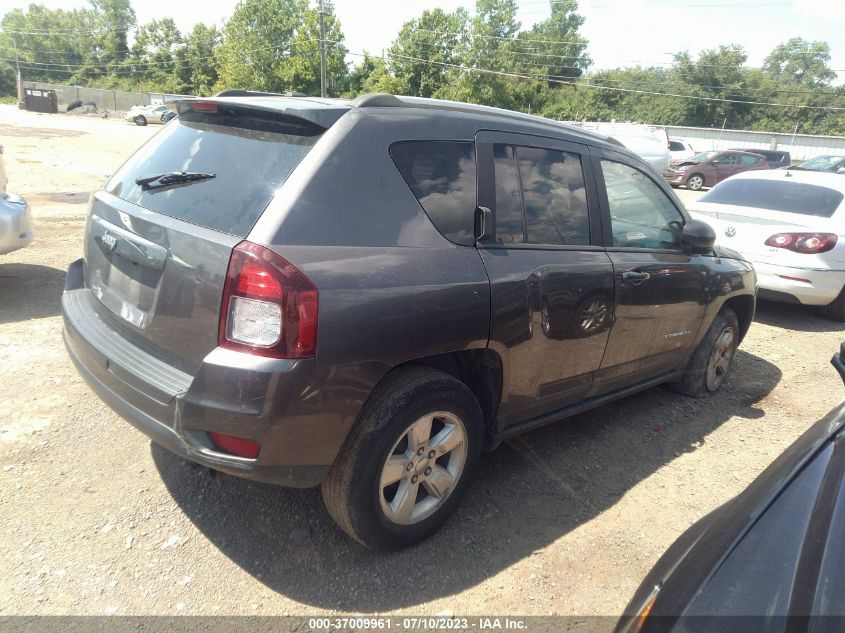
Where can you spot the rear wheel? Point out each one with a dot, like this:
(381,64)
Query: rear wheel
(835,310)
(406,465)
(710,363)
(695,182)
(140,120)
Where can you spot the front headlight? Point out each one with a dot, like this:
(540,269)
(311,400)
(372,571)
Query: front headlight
(682,168)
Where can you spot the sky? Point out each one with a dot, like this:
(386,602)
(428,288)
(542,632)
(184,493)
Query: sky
(620,32)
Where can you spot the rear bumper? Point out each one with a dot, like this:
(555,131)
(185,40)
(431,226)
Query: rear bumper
(820,288)
(232,393)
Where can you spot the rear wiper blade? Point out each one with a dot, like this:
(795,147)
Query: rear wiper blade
(171,178)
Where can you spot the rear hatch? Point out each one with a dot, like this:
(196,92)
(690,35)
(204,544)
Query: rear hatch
(157,252)
(745,212)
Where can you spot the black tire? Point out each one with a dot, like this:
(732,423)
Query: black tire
(352,490)
(835,310)
(73,105)
(140,120)
(695,382)
(695,182)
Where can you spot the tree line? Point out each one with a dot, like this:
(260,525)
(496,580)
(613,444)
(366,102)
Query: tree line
(484,56)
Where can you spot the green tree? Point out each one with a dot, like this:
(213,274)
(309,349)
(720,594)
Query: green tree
(426,48)
(801,63)
(196,65)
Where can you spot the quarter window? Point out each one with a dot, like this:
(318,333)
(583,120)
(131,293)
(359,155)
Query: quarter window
(441,174)
(641,215)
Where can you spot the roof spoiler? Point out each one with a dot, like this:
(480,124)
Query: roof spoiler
(236,92)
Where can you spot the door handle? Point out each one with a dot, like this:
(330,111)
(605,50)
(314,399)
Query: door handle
(635,276)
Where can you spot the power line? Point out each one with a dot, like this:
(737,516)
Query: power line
(610,88)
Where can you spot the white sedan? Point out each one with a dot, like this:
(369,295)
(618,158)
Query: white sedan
(142,115)
(791,226)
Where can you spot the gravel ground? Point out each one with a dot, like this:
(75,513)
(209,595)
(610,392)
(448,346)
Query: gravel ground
(564,520)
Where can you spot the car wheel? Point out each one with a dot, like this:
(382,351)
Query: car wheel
(695,182)
(140,120)
(710,363)
(406,464)
(835,310)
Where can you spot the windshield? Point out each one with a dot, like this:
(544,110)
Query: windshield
(776,195)
(822,162)
(702,156)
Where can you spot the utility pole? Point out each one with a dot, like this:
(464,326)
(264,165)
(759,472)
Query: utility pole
(322,54)
(18,65)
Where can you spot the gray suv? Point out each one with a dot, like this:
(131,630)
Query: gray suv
(365,295)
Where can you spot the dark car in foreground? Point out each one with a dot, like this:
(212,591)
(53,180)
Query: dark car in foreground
(772,559)
(707,169)
(364,295)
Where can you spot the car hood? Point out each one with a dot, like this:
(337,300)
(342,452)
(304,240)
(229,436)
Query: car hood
(678,162)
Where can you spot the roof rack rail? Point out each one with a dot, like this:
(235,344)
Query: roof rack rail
(378,100)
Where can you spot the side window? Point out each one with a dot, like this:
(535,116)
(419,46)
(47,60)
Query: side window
(641,215)
(442,176)
(554,197)
(748,160)
(510,228)
(727,159)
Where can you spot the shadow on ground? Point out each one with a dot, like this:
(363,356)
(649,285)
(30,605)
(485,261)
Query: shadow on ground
(795,317)
(29,291)
(529,492)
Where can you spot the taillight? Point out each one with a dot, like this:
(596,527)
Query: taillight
(803,242)
(269,307)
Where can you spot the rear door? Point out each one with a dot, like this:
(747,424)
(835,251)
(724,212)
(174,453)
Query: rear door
(551,282)
(156,256)
(659,287)
(725,166)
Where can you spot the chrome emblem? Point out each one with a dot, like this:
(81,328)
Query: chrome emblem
(730,231)
(109,241)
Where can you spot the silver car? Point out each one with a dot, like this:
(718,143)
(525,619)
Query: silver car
(142,115)
(15,218)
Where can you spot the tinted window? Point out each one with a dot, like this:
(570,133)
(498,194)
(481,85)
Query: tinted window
(776,195)
(830,590)
(641,215)
(758,576)
(554,196)
(251,154)
(442,176)
(510,227)
(675,146)
(745,159)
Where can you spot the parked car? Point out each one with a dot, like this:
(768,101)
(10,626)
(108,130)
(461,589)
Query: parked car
(15,217)
(835,164)
(143,115)
(774,552)
(15,223)
(774,157)
(680,149)
(791,225)
(706,169)
(321,293)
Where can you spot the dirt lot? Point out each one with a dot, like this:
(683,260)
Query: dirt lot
(565,520)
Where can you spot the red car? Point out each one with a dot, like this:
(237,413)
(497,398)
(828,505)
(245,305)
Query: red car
(707,169)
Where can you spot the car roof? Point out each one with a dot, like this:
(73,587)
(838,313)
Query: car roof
(324,111)
(819,178)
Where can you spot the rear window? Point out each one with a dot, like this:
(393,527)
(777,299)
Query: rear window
(441,174)
(250,152)
(776,195)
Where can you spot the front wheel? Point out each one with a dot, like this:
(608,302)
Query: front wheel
(407,463)
(710,363)
(695,182)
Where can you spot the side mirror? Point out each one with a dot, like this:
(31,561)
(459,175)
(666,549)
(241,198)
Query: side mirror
(698,235)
